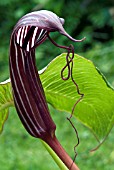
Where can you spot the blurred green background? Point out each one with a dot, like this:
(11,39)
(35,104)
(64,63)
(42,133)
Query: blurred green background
(93,19)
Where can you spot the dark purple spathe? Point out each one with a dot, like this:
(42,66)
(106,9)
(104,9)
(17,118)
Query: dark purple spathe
(31,31)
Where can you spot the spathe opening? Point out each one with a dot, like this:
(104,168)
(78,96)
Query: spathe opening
(28,37)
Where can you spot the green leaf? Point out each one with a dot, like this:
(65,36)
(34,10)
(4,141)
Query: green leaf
(96,110)
(5,101)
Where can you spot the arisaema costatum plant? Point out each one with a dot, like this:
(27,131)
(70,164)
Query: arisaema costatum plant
(83,90)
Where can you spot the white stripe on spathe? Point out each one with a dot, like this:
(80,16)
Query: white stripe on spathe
(40,34)
(26,28)
(25,93)
(21,100)
(28,63)
(33,37)
(18,35)
(28,45)
(36,87)
(22,35)
(30,129)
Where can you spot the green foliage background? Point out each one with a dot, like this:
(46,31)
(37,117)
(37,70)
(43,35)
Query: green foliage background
(93,19)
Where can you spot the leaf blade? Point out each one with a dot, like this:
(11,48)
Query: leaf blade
(96,110)
(5,102)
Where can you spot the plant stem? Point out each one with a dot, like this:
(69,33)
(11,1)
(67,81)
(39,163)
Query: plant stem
(61,153)
(58,161)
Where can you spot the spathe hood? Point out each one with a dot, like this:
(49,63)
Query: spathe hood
(45,20)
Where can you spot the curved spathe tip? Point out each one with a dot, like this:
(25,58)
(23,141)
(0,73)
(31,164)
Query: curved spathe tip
(72,39)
